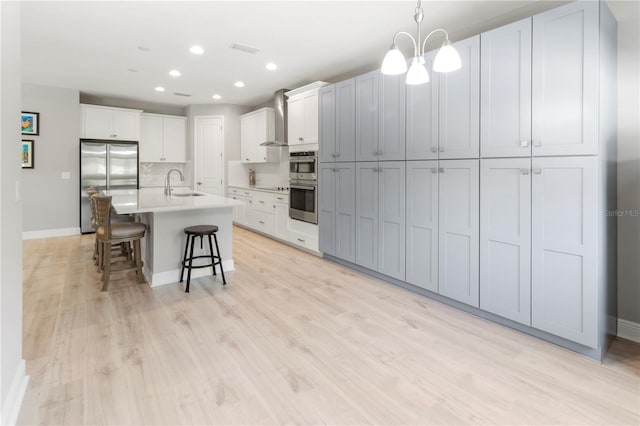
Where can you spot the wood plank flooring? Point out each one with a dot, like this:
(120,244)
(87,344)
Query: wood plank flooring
(292,339)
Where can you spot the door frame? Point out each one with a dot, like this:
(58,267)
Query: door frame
(196,145)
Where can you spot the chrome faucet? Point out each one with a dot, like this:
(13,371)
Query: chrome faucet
(167,181)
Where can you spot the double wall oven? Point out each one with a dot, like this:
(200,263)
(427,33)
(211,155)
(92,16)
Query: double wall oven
(303,186)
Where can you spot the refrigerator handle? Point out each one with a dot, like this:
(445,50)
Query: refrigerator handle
(108,150)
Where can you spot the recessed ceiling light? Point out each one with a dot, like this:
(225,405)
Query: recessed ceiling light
(216,96)
(196,50)
(175,73)
(159,89)
(238,84)
(271,66)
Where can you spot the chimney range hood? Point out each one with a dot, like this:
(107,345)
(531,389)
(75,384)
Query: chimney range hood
(280,107)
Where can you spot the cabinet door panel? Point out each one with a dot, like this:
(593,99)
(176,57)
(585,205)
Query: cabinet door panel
(367,116)
(506,91)
(327,207)
(175,139)
(296,121)
(505,238)
(459,97)
(311,117)
(126,125)
(282,221)
(565,80)
(459,228)
(327,126)
(248,137)
(391,142)
(97,123)
(367,214)
(346,120)
(564,248)
(345,228)
(422,224)
(150,139)
(391,219)
(422,116)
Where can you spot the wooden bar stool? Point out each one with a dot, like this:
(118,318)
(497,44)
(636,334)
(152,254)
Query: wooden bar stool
(109,234)
(201,231)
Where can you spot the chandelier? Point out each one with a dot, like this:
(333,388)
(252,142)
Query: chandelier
(446,60)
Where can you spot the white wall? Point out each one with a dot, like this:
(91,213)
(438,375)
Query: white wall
(12,377)
(628,15)
(56,150)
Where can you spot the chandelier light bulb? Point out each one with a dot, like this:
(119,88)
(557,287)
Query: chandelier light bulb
(394,62)
(417,73)
(447,59)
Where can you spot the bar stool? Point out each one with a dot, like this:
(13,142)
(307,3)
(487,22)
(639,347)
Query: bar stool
(201,231)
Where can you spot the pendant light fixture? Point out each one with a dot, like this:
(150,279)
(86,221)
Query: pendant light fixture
(394,63)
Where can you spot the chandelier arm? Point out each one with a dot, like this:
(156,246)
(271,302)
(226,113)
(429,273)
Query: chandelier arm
(424,43)
(415,45)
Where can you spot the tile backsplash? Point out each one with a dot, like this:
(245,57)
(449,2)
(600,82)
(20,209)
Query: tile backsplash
(153,174)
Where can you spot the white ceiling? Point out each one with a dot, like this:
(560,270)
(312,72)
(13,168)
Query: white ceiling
(91,45)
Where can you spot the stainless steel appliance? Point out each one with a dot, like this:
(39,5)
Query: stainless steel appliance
(303,165)
(105,165)
(280,107)
(303,186)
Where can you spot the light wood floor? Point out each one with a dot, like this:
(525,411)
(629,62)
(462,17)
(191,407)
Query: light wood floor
(292,339)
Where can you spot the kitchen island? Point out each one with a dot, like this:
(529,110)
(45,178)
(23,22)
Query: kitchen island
(166,218)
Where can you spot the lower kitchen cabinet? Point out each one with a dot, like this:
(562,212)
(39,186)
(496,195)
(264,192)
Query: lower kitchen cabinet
(459,211)
(564,251)
(282,218)
(380,217)
(422,224)
(505,238)
(337,210)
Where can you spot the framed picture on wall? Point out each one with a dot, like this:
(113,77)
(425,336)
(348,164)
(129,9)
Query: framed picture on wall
(30,123)
(27,154)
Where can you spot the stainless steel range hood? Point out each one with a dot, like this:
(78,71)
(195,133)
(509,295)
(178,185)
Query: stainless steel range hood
(280,107)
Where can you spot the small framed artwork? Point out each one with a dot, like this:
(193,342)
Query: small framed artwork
(30,123)
(27,154)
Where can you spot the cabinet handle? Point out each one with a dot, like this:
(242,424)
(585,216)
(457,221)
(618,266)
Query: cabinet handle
(279,198)
(375,170)
(337,155)
(261,222)
(301,240)
(537,171)
(380,169)
(246,193)
(524,144)
(537,143)
(199,183)
(335,170)
(434,149)
(441,170)
(261,201)
(333,156)
(441,149)
(113,136)
(246,159)
(300,139)
(524,171)
(434,170)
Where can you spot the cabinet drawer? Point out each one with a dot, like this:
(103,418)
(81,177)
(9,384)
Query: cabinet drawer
(282,198)
(263,222)
(309,242)
(264,202)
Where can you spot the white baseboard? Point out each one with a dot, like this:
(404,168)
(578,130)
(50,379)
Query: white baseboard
(12,404)
(172,277)
(629,330)
(48,233)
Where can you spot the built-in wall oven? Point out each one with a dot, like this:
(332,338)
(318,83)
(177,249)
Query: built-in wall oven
(303,186)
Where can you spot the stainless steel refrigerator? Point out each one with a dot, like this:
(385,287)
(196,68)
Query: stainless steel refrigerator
(105,165)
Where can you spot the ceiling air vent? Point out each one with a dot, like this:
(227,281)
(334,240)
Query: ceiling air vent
(245,48)
(185,95)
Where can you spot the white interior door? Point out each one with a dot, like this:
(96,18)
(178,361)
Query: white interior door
(209,154)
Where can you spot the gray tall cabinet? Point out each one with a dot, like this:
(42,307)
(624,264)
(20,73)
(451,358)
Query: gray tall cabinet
(489,186)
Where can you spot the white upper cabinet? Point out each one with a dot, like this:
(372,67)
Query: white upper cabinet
(391,121)
(459,211)
(303,109)
(422,116)
(257,127)
(505,87)
(505,238)
(564,250)
(367,116)
(107,123)
(459,99)
(422,224)
(565,80)
(163,138)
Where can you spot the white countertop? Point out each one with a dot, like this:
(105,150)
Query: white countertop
(257,188)
(128,201)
